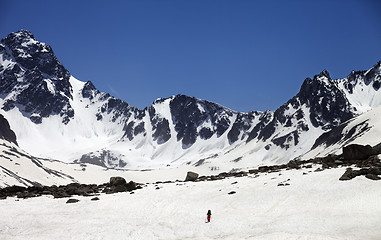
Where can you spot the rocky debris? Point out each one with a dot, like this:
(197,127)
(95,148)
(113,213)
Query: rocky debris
(119,184)
(224,175)
(232,192)
(72,200)
(284,183)
(191,176)
(95,199)
(116,184)
(364,157)
(370,173)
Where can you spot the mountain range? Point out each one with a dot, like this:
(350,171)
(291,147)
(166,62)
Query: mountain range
(52,115)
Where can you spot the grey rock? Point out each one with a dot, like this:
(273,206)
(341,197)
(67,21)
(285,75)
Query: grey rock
(191,176)
(358,152)
(72,200)
(117,181)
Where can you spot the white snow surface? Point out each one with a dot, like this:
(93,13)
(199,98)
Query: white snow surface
(363,98)
(314,206)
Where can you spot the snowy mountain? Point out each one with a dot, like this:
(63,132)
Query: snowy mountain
(56,116)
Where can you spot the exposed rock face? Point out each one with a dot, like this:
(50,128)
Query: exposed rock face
(102,158)
(327,102)
(34,73)
(6,132)
(190,113)
(319,104)
(191,119)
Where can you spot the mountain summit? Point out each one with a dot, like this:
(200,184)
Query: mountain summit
(37,80)
(57,116)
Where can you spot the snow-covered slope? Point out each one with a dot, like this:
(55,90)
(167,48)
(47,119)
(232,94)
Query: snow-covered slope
(20,168)
(57,116)
(314,206)
(364,130)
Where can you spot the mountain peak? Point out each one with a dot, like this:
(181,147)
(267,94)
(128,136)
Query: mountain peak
(376,67)
(23,34)
(324,73)
(31,54)
(19,39)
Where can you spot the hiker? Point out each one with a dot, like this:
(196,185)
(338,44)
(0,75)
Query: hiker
(208,215)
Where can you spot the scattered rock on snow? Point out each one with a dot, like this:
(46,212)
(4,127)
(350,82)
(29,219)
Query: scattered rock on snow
(348,175)
(72,200)
(370,173)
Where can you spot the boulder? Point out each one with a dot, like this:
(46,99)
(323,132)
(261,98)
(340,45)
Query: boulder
(117,181)
(191,176)
(131,186)
(60,194)
(72,200)
(118,188)
(253,171)
(358,152)
(349,174)
(372,176)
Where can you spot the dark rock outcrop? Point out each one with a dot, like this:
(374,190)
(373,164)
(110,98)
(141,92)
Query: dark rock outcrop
(6,132)
(117,181)
(116,184)
(358,152)
(41,81)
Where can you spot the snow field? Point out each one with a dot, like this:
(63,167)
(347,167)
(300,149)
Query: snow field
(313,206)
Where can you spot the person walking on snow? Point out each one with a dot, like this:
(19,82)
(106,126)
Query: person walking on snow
(208,215)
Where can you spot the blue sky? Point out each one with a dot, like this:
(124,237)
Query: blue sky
(245,55)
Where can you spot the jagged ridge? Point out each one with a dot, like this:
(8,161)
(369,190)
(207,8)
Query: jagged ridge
(173,129)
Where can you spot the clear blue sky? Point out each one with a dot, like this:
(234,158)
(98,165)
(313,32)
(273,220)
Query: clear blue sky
(245,55)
